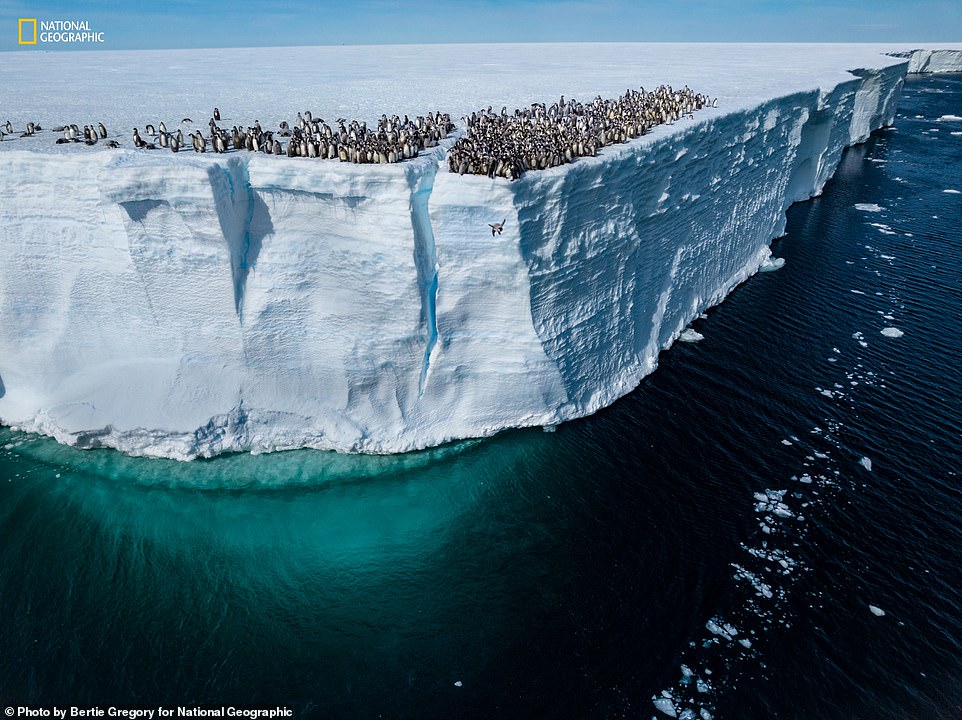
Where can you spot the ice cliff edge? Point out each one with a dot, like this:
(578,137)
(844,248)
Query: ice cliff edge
(246,302)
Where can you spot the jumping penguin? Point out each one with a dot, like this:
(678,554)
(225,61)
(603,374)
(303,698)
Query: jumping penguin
(496,228)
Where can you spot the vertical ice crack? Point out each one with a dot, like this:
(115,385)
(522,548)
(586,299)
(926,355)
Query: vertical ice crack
(426,262)
(244,222)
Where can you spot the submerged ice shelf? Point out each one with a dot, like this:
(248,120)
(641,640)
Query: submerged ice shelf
(188,305)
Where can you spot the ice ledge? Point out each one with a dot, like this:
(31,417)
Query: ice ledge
(258,305)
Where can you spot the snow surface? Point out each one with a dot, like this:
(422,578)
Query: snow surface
(187,305)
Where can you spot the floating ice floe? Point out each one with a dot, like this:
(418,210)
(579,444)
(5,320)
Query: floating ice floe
(949,118)
(884,229)
(724,630)
(876,611)
(952,192)
(762,589)
(665,705)
(771,264)
(892,332)
(691,336)
(868,207)
(866,463)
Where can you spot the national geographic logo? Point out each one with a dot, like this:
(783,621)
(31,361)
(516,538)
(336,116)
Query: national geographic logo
(27,28)
(31,31)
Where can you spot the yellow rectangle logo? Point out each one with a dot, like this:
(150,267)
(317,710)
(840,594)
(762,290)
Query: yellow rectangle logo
(20,36)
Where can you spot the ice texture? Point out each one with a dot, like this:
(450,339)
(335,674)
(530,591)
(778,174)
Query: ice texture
(770,264)
(187,305)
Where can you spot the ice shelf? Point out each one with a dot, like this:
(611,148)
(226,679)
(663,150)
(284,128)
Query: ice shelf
(188,305)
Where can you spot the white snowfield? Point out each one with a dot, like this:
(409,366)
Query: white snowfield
(188,305)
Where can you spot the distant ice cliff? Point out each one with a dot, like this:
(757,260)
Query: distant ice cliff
(185,306)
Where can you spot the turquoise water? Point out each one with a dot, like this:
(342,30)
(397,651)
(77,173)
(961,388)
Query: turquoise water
(346,584)
(577,573)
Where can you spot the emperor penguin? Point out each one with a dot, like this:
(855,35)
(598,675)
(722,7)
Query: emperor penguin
(217,114)
(496,228)
(101,130)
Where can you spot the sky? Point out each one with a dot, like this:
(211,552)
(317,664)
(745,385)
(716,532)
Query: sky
(132,25)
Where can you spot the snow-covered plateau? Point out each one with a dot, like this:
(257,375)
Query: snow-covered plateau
(188,305)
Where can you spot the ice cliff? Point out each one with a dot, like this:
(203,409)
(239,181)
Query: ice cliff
(191,305)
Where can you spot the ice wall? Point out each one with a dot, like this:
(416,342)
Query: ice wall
(245,302)
(934,61)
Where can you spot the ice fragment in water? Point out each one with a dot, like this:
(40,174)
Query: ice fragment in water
(876,611)
(866,463)
(666,706)
(771,263)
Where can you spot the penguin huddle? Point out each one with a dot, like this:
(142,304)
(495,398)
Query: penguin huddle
(393,140)
(507,145)
(493,144)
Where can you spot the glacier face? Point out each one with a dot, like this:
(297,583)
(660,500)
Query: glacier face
(245,302)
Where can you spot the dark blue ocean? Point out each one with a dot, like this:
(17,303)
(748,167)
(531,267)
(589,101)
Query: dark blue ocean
(770,526)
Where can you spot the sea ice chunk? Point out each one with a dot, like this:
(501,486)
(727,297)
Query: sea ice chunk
(666,706)
(771,264)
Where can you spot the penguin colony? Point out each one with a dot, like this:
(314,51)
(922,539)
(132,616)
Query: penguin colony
(493,144)
(503,145)
(394,139)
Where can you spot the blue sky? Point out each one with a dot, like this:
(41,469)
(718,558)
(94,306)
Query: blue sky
(242,23)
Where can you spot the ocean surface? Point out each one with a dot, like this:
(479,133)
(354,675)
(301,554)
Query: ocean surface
(770,526)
